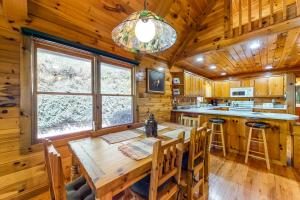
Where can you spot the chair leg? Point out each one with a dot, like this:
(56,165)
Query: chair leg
(211,135)
(223,141)
(248,145)
(266,149)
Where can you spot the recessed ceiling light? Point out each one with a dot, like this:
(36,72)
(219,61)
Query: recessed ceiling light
(269,67)
(161,69)
(199,59)
(254,45)
(213,66)
(223,73)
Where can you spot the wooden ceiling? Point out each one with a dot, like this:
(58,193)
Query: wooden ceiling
(281,51)
(100,17)
(218,30)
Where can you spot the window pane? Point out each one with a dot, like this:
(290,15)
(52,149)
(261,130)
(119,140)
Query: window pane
(116,110)
(61,114)
(115,80)
(57,72)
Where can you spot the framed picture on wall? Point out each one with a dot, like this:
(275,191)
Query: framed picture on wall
(155,81)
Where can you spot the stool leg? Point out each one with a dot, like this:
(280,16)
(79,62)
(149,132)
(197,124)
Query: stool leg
(211,135)
(266,149)
(223,141)
(248,145)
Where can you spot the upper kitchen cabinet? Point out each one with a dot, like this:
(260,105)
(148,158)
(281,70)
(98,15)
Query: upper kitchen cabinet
(261,87)
(272,86)
(187,84)
(221,89)
(276,86)
(247,83)
(234,84)
(193,85)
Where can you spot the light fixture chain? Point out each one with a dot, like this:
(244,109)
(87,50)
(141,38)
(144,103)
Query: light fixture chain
(145,4)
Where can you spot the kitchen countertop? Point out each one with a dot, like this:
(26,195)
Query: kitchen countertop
(257,115)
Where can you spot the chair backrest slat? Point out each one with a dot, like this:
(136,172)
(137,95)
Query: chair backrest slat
(197,147)
(190,121)
(54,170)
(166,163)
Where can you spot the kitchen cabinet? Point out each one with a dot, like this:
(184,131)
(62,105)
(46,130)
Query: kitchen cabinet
(261,87)
(194,85)
(187,84)
(247,83)
(221,89)
(234,84)
(208,88)
(236,136)
(296,146)
(276,86)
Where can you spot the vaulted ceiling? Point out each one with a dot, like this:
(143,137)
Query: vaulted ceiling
(219,31)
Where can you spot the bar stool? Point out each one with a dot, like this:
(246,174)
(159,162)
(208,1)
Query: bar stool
(261,127)
(217,122)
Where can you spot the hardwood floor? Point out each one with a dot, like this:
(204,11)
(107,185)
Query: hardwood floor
(231,179)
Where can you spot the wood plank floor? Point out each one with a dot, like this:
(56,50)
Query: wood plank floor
(231,179)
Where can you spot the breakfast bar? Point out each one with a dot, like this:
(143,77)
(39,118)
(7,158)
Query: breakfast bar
(236,132)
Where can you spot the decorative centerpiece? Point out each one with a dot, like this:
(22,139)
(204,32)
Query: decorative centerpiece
(151,126)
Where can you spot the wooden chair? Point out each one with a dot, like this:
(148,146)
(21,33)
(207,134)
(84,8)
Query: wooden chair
(193,177)
(163,182)
(77,189)
(190,121)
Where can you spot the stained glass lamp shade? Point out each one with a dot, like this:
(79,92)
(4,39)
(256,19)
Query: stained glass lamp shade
(144,32)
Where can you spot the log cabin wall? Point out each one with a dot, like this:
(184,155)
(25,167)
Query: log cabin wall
(22,176)
(158,104)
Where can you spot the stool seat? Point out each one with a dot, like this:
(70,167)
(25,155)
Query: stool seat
(217,120)
(258,125)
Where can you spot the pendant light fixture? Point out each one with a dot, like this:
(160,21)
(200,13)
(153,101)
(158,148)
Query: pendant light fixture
(144,32)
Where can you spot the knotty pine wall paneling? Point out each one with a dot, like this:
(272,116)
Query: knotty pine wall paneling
(23,175)
(158,104)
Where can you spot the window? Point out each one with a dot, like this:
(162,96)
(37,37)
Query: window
(116,93)
(67,96)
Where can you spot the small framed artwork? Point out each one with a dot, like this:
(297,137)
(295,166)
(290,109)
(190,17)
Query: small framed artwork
(176,81)
(176,92)
(155,81)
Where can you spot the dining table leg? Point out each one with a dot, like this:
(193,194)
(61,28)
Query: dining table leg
(107,196)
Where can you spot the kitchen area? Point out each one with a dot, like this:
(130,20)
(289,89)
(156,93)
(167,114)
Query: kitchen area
(239,101)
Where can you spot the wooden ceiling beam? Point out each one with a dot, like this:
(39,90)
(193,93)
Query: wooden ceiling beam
(240,76)
(195,49)
(191,33)
(163,7)
(15,10)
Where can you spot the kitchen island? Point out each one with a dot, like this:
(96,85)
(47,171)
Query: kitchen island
(236,132)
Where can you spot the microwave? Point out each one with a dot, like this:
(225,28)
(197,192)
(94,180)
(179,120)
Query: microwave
(241,92)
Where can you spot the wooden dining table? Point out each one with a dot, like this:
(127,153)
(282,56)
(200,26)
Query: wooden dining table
(107,170)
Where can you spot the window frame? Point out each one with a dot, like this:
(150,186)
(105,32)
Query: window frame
(132,95)
(96,94)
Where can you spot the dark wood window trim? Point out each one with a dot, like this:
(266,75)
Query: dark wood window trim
(29,106)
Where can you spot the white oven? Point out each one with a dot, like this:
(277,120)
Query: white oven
(241,92)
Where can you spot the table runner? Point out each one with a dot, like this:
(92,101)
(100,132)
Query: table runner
(174,134)
(138,150)
(113,138)
(159,128)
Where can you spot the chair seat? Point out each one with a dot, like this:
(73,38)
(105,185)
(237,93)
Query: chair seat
(217,120)
(142,187)
(79,190)
(185,161)
(257,124)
